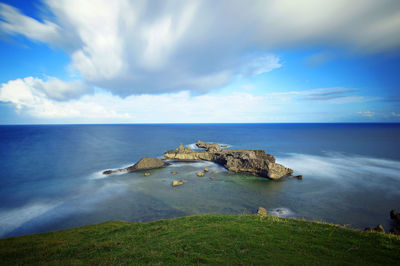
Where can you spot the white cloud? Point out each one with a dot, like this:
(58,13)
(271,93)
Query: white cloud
(139,46)
(30,98)
(261,65)
(31,91)
(368,114)
(45,31)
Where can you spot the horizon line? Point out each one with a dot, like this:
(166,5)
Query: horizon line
(211,123)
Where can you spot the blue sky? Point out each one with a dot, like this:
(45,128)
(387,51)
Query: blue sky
(199,61)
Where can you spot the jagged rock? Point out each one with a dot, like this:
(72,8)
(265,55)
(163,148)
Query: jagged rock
(108,172)
(177,183)
(255,162)
(200,174)
(210,147)
(262,211)
(145,163)
(206,170)
(146,174)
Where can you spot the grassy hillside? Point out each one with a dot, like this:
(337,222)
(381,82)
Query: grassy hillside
(246,239)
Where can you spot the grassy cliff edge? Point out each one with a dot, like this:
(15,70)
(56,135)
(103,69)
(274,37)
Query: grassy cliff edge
(236,239)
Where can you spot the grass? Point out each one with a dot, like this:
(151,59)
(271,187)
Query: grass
(233,240)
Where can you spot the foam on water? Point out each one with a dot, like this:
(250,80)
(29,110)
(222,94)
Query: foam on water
(194,164)
(100,175)
(341,166)
(281,212)
(12,219)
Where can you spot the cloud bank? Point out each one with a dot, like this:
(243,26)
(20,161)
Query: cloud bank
(134,47)
(47,99)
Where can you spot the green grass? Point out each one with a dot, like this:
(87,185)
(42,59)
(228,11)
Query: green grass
(239,239)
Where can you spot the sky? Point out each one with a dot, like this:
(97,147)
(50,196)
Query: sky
(205,61)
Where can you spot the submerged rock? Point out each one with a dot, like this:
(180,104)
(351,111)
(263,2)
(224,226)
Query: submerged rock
(145,163)
(146,174)
(254,162)
(177,183)
(200,173)
(299,177)
(174,172)
(262,211)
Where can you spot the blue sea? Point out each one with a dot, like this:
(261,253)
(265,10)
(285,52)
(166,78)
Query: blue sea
(51,175)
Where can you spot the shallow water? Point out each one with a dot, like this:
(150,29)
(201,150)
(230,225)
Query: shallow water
(52,175)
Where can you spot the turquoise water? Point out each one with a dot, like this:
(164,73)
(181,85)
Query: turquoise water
(51,175)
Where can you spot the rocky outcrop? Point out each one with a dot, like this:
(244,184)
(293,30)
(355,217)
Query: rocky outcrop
(210,147)
(145,163)
(254,162)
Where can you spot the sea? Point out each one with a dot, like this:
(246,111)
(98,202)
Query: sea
(51,175)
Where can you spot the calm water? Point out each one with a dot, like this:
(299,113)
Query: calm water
(51,177)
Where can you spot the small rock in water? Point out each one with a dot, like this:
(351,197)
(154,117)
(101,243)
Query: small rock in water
(107,172)
(206,170)
(213,178)
(214,172)
(177,183)
(299,177)
(174,172)
(200,174)
(146,174)
(262,211)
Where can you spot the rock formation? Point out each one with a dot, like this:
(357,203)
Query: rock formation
(254,162)
(145,163)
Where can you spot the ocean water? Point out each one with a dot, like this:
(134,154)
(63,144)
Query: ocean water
(51,176)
